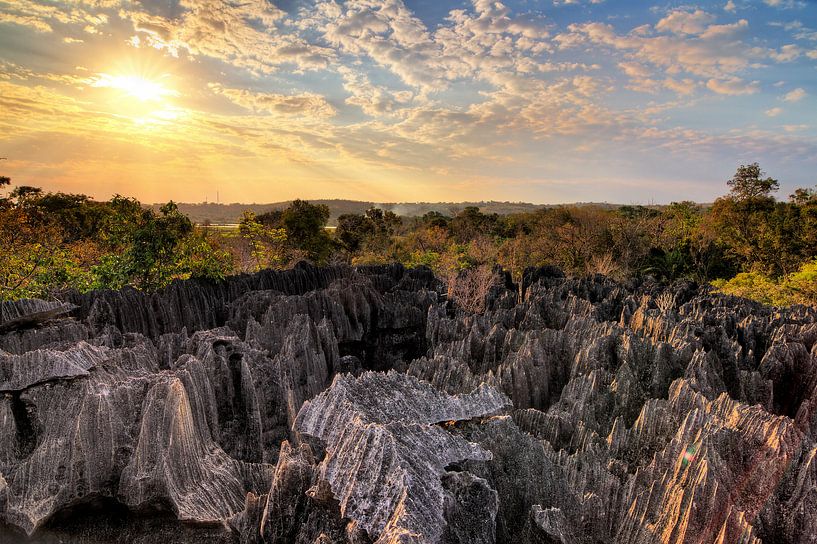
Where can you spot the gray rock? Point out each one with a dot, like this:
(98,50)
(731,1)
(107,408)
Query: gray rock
(386,450)
(354,405)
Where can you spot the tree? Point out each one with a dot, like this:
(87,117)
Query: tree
(24,192)
(470,288)
(353,230)
(27,251)
(471,222)
(802,196)
(79,217)
(267,244)
(3,182)
(435,219)
(748,183)
(384,222)
(199,255)
(304,224)
(570,237)
(34,261)
(148,256)
(154,242)
(271,218)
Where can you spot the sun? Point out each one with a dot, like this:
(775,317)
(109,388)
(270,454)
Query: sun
(143,89)
(147,100)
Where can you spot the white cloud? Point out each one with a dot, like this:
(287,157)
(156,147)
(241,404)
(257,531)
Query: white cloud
(43,16)
(392,91)
(304,105)
(796,95)
(685,22)
(733,86)
(785,4)
(683,87)
(716,53)
(243,34)
(374,100)
(787,53)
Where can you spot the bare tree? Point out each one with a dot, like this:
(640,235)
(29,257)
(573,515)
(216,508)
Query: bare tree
(469,288)
(604,264)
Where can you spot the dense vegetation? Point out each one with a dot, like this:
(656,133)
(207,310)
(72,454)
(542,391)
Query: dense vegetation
(746,243)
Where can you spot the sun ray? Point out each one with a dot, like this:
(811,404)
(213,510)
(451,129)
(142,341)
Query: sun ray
(143,89)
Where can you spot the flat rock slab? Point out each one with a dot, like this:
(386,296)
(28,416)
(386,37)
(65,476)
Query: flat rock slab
(386,450)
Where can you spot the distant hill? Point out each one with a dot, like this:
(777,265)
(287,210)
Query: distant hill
(220,214)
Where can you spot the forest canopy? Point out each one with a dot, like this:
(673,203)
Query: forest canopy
(746,243)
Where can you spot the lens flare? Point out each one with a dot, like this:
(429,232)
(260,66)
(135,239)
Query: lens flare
(689,455)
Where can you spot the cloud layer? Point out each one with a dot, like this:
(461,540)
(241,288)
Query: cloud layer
(370,98)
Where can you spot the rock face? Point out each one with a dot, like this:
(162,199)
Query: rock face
(359,406)
(386,450)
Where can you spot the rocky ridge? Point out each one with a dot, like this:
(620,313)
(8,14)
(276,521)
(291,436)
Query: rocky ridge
(360,406)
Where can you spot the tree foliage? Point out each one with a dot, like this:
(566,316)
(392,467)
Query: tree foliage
(749,183)
(371,231)
(305,224)
(747,241)
(267,244)
(57,241)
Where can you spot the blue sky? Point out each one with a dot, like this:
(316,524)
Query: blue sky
(407,100)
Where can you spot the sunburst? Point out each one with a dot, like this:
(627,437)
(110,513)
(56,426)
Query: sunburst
(146,90)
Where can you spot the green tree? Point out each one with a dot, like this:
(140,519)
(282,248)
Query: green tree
(435,219)
(372,231)
(305,224)
(200,256)
(745,229)
(384,223)
(749,183)
(34,262)
(802,196)
(267,244)
(271,218)
(353,231)
(25,193)
(571,236)
(154,242)
(79,217)
(147,246)
(762,235)
(471,222)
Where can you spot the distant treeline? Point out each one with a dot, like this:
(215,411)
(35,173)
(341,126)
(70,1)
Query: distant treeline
(210,213)
(746,243)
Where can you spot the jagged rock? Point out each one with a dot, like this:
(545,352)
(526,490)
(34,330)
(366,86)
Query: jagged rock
(175,463)
(520,471)
(548,526)
(28,313)
(19,372)
(386,451)
(573,410)
(469,510)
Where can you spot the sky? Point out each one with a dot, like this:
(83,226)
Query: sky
(542,101)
